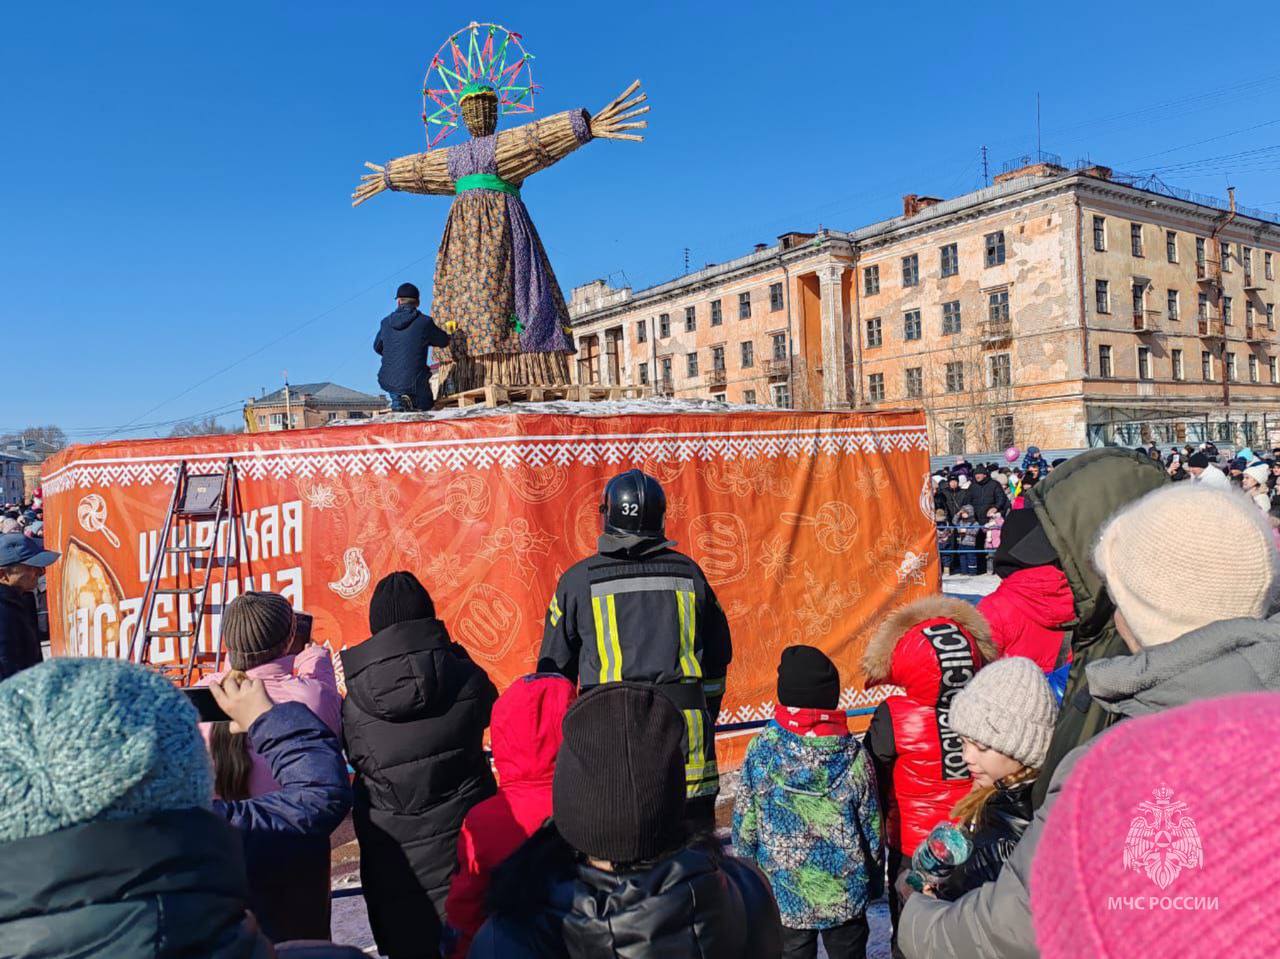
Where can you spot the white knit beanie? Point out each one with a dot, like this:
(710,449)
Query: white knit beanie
(1258,472)
(1009,707)
(1164,582)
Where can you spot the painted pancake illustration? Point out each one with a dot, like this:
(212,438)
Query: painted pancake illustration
(87,583)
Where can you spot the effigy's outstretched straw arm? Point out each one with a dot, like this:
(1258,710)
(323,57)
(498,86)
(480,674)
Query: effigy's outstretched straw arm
(610,123)
(417,173)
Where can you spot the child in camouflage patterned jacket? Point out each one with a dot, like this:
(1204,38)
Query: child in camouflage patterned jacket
(807,812)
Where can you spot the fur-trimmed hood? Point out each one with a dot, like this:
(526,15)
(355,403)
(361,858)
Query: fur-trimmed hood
(898,653)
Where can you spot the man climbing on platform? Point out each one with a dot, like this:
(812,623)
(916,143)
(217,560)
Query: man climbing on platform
(404,342)
(639,611)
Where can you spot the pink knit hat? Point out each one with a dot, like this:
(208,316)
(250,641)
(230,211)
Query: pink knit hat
(1163,840)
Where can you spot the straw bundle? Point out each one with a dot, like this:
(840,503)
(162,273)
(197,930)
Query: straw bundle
(608,123)
(417,173)
(506,369)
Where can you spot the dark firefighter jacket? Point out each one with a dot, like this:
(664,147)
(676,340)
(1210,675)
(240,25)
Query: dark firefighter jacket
(642,612)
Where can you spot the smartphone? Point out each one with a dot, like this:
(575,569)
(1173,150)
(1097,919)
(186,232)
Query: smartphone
(202,699)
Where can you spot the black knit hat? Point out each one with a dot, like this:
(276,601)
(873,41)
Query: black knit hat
(618,792)
(1198,460)
(807,679)
(399,597)
(407,291)
(256,628)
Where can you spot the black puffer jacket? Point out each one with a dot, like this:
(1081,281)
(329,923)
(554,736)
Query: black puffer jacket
(1005,818)
(545,903)
(168,884)
(984,494)
(413,723)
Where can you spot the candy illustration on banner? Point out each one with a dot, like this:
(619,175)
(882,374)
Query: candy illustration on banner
(92,514)
(355,575)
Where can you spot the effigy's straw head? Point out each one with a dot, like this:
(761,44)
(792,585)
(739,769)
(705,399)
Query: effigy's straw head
(480,110)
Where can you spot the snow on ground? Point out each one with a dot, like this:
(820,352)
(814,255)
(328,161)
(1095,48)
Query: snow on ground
(351,918)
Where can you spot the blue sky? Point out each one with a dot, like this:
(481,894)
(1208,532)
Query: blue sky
(176,179)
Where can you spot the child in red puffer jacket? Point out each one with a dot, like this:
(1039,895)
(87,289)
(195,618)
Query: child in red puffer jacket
(525,737)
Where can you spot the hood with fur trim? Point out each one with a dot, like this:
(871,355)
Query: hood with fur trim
(900,653)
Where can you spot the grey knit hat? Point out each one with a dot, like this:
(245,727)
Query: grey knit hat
(1009,707)
(256,628)
(90,739)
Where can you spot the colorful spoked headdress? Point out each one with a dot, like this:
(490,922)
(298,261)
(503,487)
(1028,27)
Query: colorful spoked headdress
(480,56)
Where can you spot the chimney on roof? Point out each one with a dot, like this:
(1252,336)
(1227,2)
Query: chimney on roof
(789,241)
(913,204)
(1231,198)
(760,247)
(1043,168)
(1097,170)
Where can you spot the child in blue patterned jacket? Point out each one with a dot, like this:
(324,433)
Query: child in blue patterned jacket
(807,813)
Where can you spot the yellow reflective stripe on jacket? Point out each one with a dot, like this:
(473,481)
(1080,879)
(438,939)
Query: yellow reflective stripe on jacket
(701,774)
(607,645)
(556,614)
(687,615)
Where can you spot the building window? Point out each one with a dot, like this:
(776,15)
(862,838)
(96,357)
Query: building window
(1102,295)
(1200,254)
(1172,300)
(1202,306)
(1275,369)
(1206,366)
(716,316)
(915,381)
(1171,245)
(875,387)
(955,377)
(1271,316)
(1001,370)
(781,395)
(1100,233)
(1231,367)
(1139,299)
(911,270)
(690,319)
(644,374)
(1104,362)
(589,361)
(717,358)
(744,305)
(691,364)
(995,248)
(873,331)
(1002,428)
(870,280)
(955,437)
(998,308)
(1144,362)
(911,325)
(1135,238)
(277,420)
(951,318)
(642,332)
(748,355)
(779,347)
(718,397)
(1268,267)
(1176,361)
(1248,315)
(749,397)
(664,325)
(666,371)
(775,297)
(1253,368)
(1226,311)
(950,260)
(1225,247)
(1246,260)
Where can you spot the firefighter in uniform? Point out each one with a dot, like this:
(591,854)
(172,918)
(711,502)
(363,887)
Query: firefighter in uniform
(640,611)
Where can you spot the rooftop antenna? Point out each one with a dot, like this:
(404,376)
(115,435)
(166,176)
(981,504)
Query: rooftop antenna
(986,172)
(686,259)
(1037,126)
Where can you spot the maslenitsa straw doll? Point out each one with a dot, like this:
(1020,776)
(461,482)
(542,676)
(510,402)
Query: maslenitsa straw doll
(494,290)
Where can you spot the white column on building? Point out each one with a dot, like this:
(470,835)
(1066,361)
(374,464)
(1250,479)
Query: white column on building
(835,326)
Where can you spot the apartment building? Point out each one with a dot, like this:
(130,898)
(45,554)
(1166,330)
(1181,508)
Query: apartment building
(1058,307)
(309,405)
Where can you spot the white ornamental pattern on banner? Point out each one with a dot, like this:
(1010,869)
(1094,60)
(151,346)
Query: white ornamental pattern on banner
(851,698)
(382,459)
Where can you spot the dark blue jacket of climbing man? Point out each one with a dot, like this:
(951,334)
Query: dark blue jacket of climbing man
(403,340)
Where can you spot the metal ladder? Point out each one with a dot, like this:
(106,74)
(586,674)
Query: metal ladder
(197,497)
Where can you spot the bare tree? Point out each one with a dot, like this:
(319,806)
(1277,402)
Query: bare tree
(208,426)
(971,383)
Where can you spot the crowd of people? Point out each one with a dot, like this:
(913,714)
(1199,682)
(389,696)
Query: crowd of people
(990,799)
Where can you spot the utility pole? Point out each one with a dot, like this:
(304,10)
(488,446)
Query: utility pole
(288,409)
(986,172)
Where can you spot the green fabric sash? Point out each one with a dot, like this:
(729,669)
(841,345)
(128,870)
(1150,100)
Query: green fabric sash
(485,181)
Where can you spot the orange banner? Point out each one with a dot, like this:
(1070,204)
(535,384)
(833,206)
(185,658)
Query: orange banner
(810,527)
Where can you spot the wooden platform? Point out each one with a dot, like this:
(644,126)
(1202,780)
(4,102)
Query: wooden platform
(495,395)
